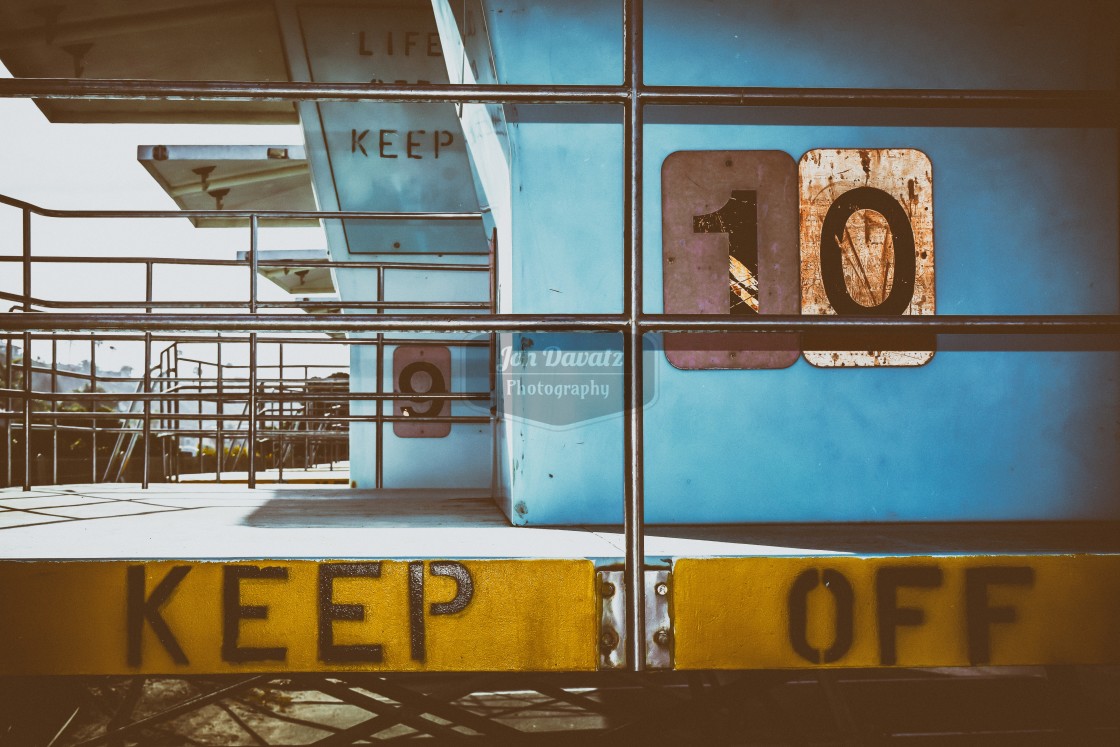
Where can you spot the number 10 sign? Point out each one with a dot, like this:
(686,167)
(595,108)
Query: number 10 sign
(846,232)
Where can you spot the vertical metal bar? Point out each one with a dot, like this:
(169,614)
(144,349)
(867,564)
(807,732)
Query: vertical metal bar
(493,367)
(177,409)
(93,422)
(282,408)
(379,441)
(219,409)
(27,411)
(147,450)
(26,351)
(251,441)
(634,509)
(26,263)
(54,408)
(253,239)
(9,365)
(201,423)
(252,408)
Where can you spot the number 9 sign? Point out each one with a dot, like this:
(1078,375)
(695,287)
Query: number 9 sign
(848,231)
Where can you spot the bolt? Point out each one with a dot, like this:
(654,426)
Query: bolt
(608,590)
(661,637)
(662,589)
(609,639)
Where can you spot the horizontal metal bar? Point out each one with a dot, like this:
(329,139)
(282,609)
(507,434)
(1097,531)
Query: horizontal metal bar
(233,391)
(937,324)
(257,90)
(193,417)
(200,339)
(262,214)
(300,263)
(1104,101)
(157,90)
(40,322)
(50,304)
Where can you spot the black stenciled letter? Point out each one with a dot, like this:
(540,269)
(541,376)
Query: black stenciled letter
(233,612)
(439,141)
(356,141)
(798,611)
(978,615)
(329,612)
(140,609)
(383,143)
(416,633)
(888,579)
(832,262)
(464,586)
(464,592)
(738,218)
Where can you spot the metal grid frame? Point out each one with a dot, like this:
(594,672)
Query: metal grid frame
(634,96)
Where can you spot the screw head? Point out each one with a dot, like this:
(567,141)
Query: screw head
(661,637)
(662,589)
(608,589)
(609,639)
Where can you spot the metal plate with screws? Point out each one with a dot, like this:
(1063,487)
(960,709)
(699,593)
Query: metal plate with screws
(659,626)
(612,619)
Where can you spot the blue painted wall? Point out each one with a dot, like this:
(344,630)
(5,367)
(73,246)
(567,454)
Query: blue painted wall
(1025,223)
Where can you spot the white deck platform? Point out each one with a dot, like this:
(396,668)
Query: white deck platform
(222,521)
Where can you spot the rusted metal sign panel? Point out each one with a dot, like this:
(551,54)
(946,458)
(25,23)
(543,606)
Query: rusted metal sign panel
(422,369)
(866,245)
(738,613)
(196,617)
(729,236)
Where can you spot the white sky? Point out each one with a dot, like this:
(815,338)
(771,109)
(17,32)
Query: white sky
(94,166)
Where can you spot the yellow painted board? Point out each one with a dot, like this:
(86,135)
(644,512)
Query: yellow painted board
(765,612)
(107,617)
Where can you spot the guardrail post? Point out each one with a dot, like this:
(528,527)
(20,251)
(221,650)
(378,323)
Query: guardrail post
(283,409)
(634,509)
(26,351)
(9,365)
(219,412)
(251,441)
(148,269)
(379,403)
(54,408)
(93,421)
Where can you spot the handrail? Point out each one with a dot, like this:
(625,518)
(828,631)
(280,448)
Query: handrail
(1101,100)
(954,324)
(325,263)
(262,214)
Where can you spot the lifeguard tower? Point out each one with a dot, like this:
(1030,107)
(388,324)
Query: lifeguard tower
(695,354)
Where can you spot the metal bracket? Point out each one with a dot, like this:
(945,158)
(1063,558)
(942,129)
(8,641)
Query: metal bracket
(659,625)
(610,591)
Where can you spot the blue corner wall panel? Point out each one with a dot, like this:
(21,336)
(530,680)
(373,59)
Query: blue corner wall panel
(1025,222)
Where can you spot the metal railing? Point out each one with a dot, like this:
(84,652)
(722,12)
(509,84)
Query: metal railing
(171,388)
(1066,108)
